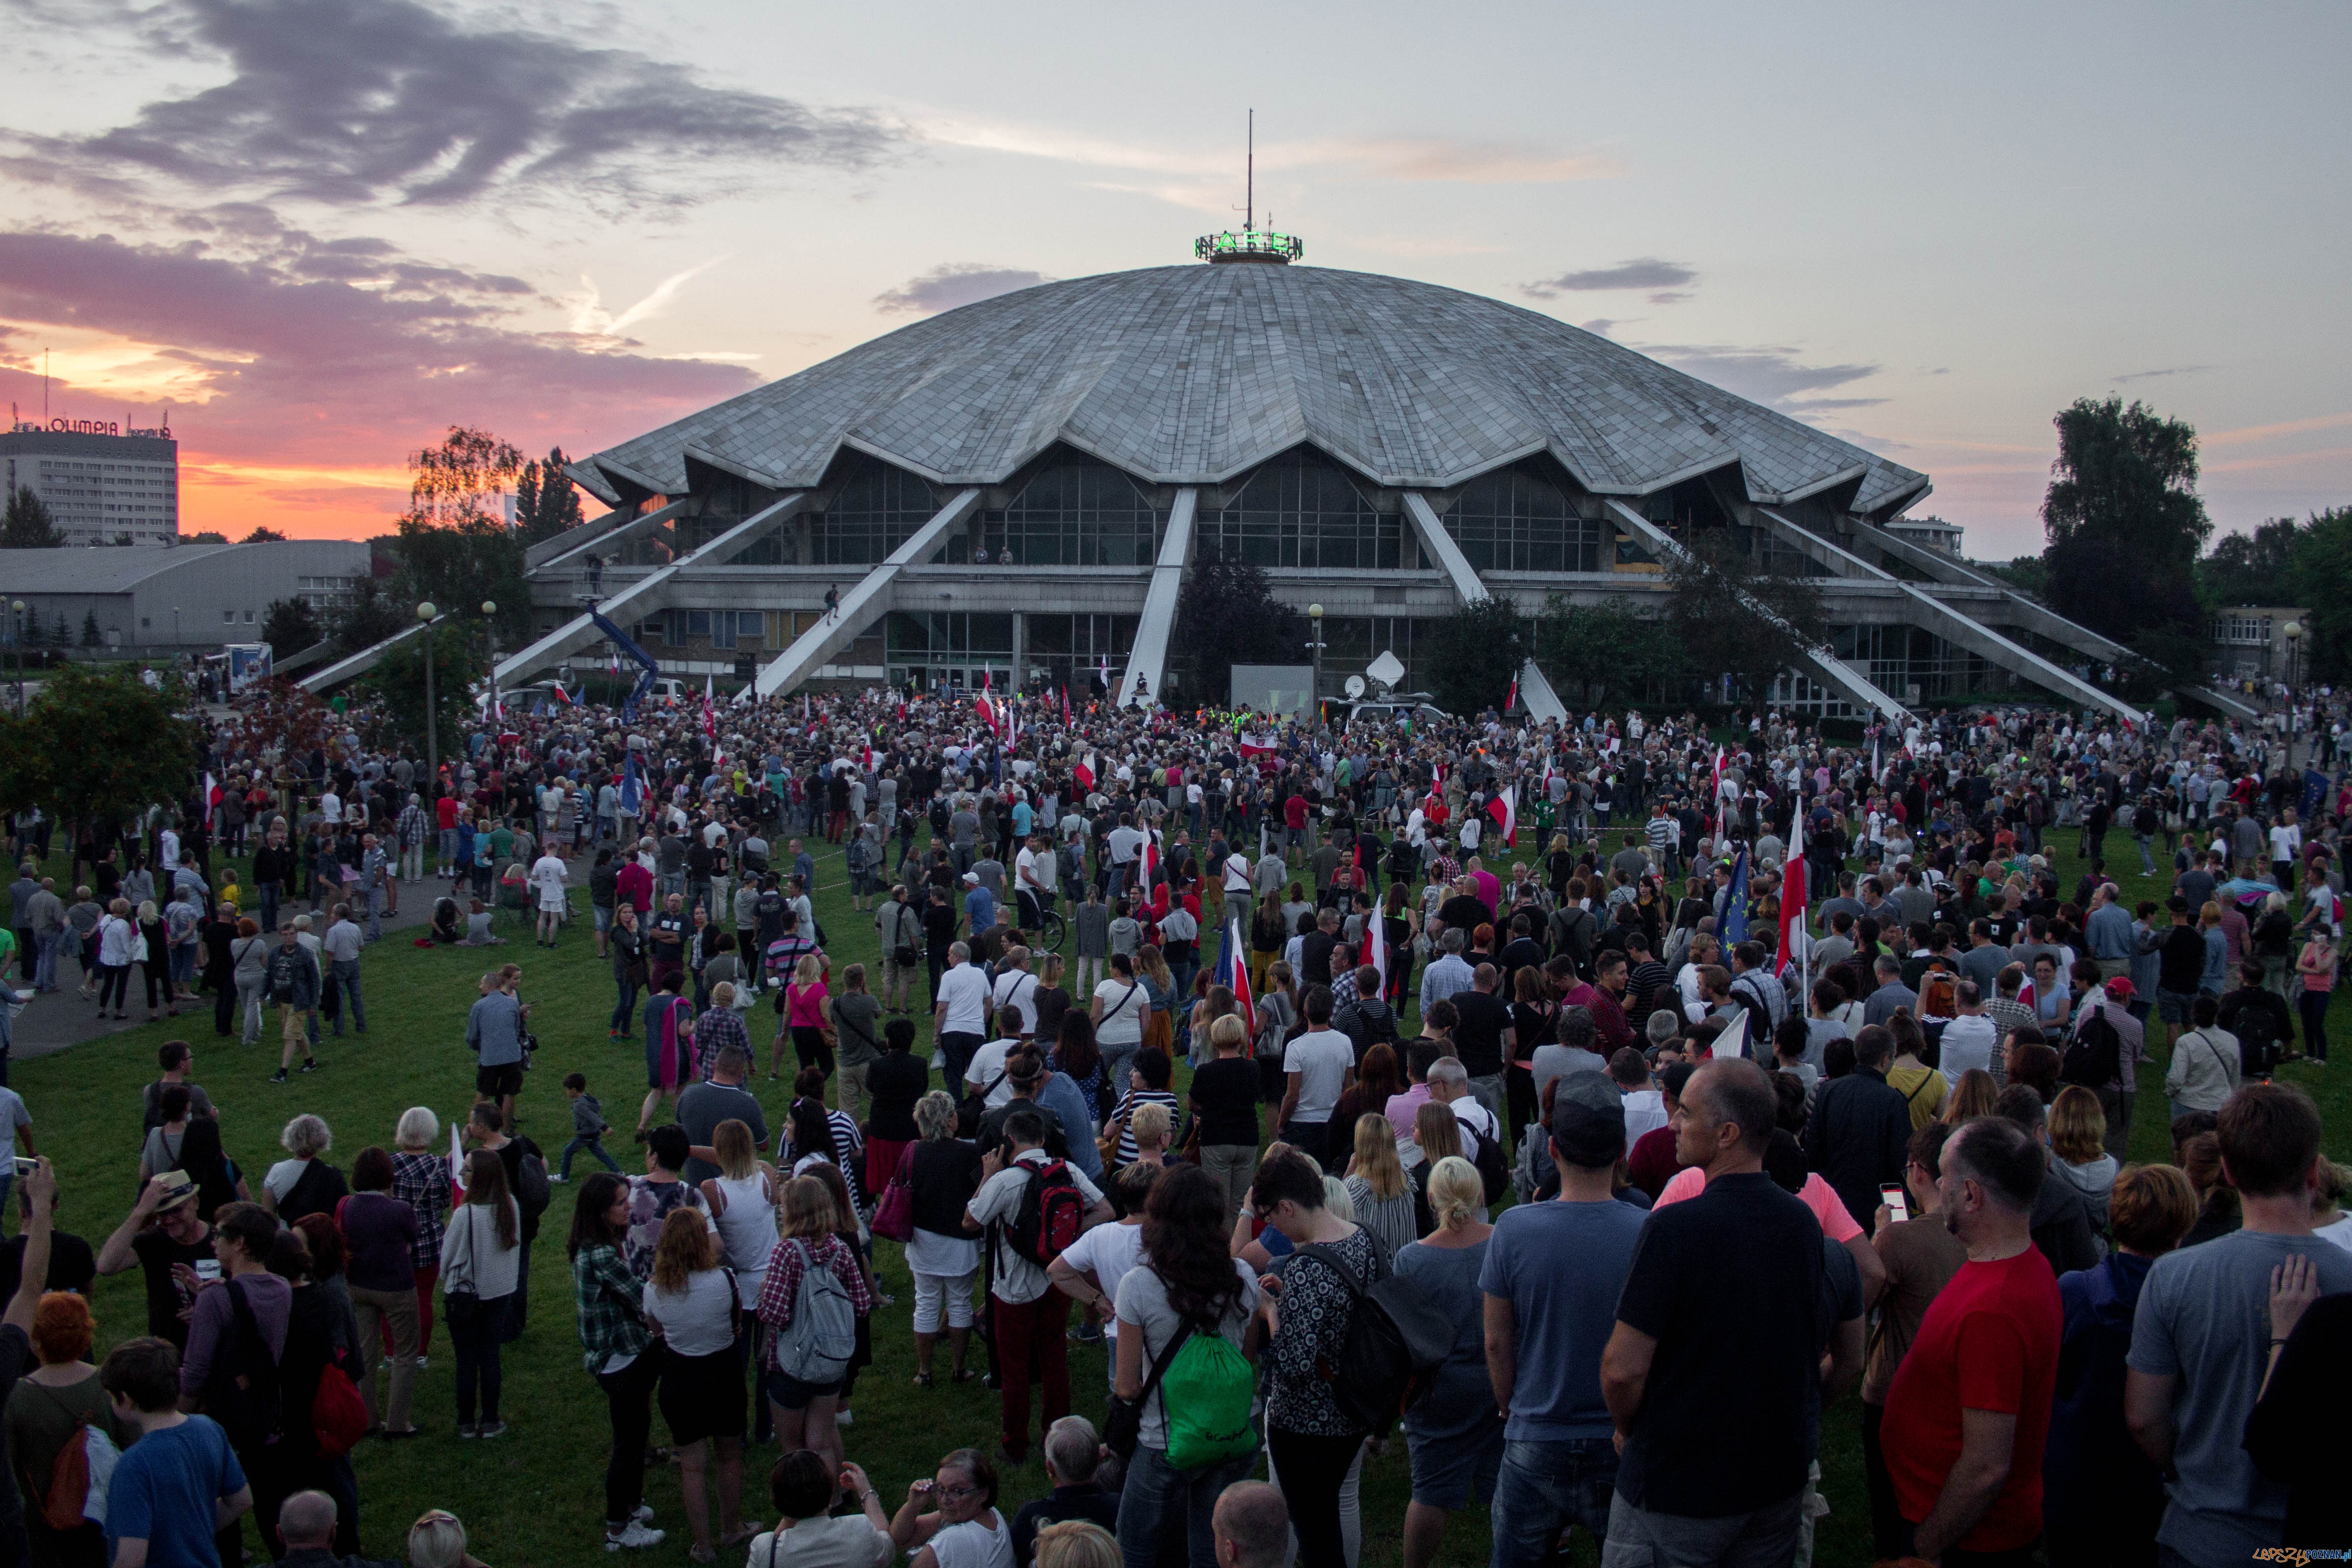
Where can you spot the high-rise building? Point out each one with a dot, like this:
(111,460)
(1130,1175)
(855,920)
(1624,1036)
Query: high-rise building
(103,485)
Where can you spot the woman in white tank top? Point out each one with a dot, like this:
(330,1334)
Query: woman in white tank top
(742,1203)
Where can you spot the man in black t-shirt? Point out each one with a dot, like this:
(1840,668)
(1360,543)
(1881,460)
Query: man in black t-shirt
(1712,1373)
(1483,1037)
(169,1239)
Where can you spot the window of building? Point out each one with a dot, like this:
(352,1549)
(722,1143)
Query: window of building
(1072,514)
(876,510)
(1301,509)
(229,616)
(1516,522)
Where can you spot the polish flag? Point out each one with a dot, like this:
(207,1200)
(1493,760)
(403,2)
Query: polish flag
(1511,700)
(1792,902)
(710,718)
(1503,808)
(1235,973)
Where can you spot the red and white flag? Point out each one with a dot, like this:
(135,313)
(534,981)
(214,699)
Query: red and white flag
(1240,953)
(212,799)
(1511,700)
(1504,807)
(710,718)
(1792,902)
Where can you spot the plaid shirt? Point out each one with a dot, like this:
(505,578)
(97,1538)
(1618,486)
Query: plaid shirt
(780,1293)
(717,1029)
(1343,991)
(422,1182)
(610,1322)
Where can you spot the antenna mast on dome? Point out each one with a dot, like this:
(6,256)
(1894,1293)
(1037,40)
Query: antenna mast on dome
(1250,243)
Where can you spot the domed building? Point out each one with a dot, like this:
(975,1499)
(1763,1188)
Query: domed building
(1013,490)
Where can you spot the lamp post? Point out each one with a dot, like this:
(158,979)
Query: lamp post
(490,633)
(2293,632)
(1315,649)
(432,727)
(16,647)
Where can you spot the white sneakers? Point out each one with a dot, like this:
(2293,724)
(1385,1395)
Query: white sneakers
(632,1535)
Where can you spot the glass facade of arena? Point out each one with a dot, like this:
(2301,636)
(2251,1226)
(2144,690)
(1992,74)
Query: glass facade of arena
(1073,652)
(1353,642)
(945,650)
(1302,510)
(877,509)
(1511,520)
(1072,514)
(1911,664)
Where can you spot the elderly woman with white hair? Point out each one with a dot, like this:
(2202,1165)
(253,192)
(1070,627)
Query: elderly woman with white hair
(943,1175)
(420,1178)
(305,1183)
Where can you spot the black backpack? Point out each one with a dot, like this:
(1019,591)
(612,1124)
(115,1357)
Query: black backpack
(2258,1040)
(1493,1170)
(2094,1055)
(241,1391)
(1396,1339)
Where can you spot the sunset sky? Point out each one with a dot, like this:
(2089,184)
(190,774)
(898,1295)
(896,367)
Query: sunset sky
(322,230)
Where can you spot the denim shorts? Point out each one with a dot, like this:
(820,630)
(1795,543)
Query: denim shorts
(2173,1006)
(788,1393)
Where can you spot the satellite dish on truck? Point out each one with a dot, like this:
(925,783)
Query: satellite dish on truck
(1355,687)
(1387,671)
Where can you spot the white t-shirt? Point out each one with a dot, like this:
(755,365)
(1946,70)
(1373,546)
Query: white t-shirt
(1019,1282)
(1968,1042)
(547,875)
(1110,1250)
(1016,989)
(1238,873)
(973,1544)
(699,1319)
(1032,872)
(1322,1059)
(965,989)
(1122,1014)
(988,1068)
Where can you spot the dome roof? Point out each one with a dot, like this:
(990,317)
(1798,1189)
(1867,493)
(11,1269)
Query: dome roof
(1195,374)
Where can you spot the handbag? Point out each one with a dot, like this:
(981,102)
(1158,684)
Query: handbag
(460,1307)
(893,1216)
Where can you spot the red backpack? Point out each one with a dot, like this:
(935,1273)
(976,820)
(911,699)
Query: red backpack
(1052,1214)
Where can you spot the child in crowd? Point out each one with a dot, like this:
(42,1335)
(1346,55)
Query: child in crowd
(588,1126)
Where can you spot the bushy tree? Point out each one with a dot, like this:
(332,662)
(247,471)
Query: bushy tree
(1610,653)
(369,618)
(1474,655)
(2255,568)
(209,536)
(290,625)
(26,525)
(546,502)
(264,536)
(1725,615)
(2322,573)
(90,636)
(2126,524)
(96,746)
(1227,614)
(454,548)
(457,667)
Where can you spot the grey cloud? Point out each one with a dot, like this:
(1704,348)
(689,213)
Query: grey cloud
(356,102)
(1818,404)
(1642,272)
(2157,374)
(954,283)
(1776,376)
(1599,324)
(1670,297)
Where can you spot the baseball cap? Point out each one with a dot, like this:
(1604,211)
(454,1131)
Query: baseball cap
(2120,989)
(1588,1120)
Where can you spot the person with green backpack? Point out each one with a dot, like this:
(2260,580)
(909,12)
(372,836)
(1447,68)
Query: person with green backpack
(1181,1411)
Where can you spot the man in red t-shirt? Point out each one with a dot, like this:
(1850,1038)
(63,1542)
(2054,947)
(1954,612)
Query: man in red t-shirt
(445,819)
(1969,1408)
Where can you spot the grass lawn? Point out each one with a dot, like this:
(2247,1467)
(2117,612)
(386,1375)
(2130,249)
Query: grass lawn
(536,1495)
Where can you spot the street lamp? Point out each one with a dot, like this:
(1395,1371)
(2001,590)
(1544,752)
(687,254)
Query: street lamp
(2293,632)
(16,647)
(432,731)
(1315,648)
(490,632)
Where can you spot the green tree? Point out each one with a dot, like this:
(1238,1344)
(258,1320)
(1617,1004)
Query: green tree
(63,635)
(455,550)
(1606,650)
(546,503)
(399,678)
(265,536)
(2255,568)
(1473,656)
(1227,614)
(369,618)
(27,525)
(97,746)
(90,636)
(2026,574)
(209,536)
(2125,525)
(1725,615)
(290,625)
(2322,567)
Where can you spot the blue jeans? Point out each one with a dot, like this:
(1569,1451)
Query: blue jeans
(343,974)
(1544,1486)
(624,1010)
(268,891)
(585,1146)
(45,966)
(1155,1490)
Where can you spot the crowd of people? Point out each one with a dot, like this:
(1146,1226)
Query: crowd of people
(1585,1107)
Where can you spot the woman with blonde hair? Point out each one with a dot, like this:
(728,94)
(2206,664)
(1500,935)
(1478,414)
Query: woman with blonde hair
(1376,1187)
(806,1013)
(1972,1097)
(480,1260)
(805,1407)
(943,1176)
(1452,1434)
(1438,1136)
(2078,1139)
(691,1305)
(437,1540)
(1075,1543)
(742,1203)
(1226,1095)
